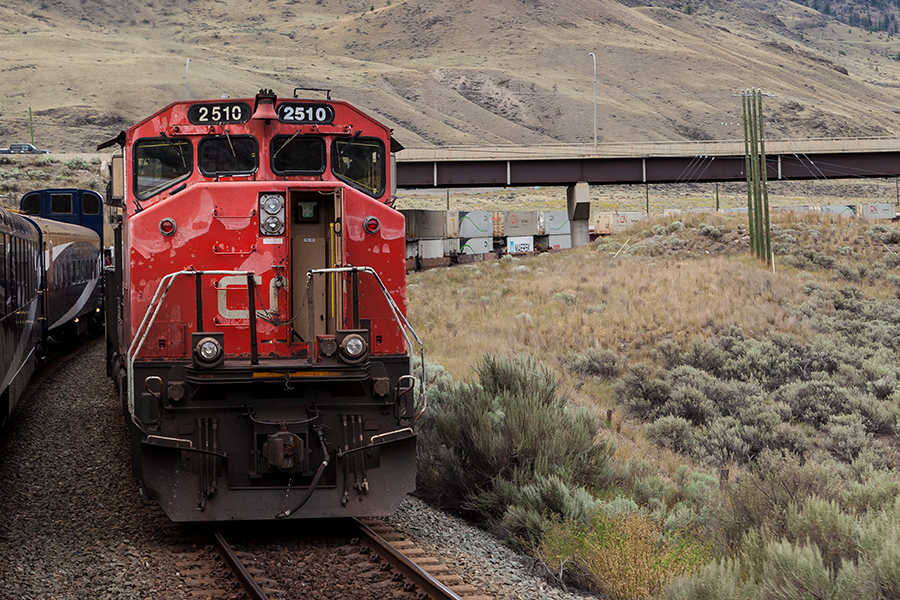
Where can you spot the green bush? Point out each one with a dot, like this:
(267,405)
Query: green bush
(759,499)
(672,432)
(595,362)
(483,444)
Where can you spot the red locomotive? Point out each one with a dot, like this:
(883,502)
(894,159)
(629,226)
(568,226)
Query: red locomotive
(256,318)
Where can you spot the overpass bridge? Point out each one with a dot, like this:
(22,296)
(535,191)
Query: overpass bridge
(651,162)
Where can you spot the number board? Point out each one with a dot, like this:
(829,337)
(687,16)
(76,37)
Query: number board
(314,114)
(219,113)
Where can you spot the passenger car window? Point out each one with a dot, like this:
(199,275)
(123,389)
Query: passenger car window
(31,204)
(90,204)
(61,204)
(160,163)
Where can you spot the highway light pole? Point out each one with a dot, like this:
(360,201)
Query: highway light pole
(187,87)
(594,57)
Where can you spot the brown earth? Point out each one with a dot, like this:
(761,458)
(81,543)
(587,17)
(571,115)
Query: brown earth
(444,72)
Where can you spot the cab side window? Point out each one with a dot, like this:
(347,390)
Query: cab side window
(160,163)
(360,162)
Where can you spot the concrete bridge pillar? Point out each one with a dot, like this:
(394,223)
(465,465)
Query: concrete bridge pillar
(578,199)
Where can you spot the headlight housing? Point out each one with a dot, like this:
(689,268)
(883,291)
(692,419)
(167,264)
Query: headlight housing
(354,348)
(271,214)
(209,349)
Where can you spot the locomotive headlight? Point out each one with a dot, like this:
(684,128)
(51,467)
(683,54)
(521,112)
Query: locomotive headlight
(353,347)
(273,225)
(271,214)
(272,204)
(208,350)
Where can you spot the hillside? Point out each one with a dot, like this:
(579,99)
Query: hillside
(450,73)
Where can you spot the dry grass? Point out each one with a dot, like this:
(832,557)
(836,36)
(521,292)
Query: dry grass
(553,304)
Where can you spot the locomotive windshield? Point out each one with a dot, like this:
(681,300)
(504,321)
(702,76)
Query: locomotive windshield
(159,163)
(228,155)
(360,161)
(298,154)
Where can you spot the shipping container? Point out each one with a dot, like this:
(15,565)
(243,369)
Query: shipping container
(476,245)
(789,209)
(520,244)
(520,223)
(431,224)
(603,224)
(451,246)
(878,211)
(498,217)
(431,248)
(554,222)
(606,223)
(845,210)
(553,242)
(475,224)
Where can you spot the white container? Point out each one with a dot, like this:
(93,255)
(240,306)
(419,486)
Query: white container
(412,248)
(878,211)
(476,245)
(603,225)
(475,224)
(520,244)
(553,222)
(624,220)
(845,210)
(431,249)
(788,209)
(559,242)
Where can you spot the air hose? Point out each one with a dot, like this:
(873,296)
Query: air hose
(315,482)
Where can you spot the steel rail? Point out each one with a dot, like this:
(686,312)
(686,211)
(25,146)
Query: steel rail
(254,592)
(413,572)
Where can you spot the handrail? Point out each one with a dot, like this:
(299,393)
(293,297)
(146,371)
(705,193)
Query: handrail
(143,329)
(398,316)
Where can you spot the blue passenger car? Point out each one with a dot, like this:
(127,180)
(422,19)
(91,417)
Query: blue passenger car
(67,205)
(20,310)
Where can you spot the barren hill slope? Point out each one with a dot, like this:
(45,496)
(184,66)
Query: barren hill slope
(448,72)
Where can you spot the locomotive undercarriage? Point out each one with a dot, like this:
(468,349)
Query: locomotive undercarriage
(336,440)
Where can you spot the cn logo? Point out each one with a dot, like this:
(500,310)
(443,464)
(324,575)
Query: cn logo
(239,282)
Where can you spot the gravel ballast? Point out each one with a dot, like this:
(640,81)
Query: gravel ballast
(73,525)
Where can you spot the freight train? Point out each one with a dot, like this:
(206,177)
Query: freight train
(50,293)
(256,311)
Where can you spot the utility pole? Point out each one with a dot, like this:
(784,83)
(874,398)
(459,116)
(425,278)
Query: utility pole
(594,57)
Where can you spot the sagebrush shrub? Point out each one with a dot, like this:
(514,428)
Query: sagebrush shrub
(672,432)
(595,362)
(481,444)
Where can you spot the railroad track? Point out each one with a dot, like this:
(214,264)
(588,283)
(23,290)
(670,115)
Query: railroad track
(363,559)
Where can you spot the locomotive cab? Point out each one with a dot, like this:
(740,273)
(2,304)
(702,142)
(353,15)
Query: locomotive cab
(262,353)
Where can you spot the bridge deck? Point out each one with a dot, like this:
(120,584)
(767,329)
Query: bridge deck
(650,162)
